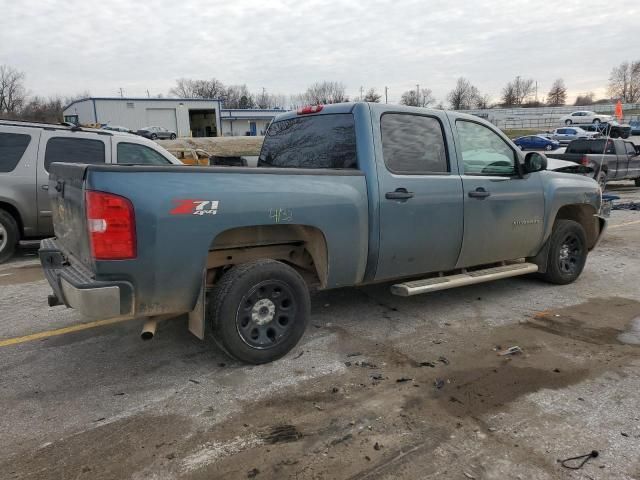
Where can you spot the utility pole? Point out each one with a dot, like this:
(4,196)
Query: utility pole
(148,94)
(386,89)
(417,94)
(121,93)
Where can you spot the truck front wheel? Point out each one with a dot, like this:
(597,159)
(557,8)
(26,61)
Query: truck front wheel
(258,311)
(9,235)
(567,253)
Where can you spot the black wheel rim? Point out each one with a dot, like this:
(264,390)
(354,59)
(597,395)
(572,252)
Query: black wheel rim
(266,314)
(570,254)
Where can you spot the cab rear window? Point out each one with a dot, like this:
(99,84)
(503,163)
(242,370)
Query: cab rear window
(316,141)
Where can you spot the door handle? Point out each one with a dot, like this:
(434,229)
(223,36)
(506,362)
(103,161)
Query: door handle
(479,193)
(45,187)
(399,194)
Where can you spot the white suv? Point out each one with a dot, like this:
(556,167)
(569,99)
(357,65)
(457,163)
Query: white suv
(26,151)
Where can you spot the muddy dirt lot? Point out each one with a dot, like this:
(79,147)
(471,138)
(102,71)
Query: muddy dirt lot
(381,387)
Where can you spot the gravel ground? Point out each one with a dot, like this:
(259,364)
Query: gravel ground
(380,387)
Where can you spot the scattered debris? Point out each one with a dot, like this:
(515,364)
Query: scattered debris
(468,475)
(318,407)
(354,354)
(444,360)
(584,458)
(337,441)
(222,364)
(366,365)
(377,446)
(253,473)
(626,206)
(404,379)
(335,390)
(439,383)
(282,434)
(367,458)
(376,376)
(194,381)
(624,434)
(437,342)
(299,355)
(99,419)
(515,350)
(556,370)
(118,394)
(428,364)
(453,399)
(347,364)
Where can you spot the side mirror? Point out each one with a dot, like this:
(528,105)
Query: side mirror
(534,162)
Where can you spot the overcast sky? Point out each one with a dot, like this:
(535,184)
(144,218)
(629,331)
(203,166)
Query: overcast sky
(71,46)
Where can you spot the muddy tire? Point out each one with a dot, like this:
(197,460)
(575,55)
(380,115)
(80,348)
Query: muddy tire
(172,136)
(568,122)
(567,253)
(258,311)
(9,236)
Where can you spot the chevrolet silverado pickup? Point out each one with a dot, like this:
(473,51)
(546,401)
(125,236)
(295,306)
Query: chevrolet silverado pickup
(610,159)
(343,195)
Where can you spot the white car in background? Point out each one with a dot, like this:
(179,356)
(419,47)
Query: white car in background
(584,116)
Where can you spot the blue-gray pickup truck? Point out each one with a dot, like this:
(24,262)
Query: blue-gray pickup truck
(343,195)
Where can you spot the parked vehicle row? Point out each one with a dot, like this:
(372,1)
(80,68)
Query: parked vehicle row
(152,132)
(344,194)
(27,151)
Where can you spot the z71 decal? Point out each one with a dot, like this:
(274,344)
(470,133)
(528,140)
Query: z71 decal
(189,206)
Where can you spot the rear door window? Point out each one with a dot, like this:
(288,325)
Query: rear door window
(316,141)
(73,150)
(12,147)
(413,144)
(136,154)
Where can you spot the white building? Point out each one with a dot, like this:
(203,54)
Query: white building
(246,122)
(185,117)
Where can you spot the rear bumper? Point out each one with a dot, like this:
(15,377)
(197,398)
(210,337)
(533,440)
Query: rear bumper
(77,288)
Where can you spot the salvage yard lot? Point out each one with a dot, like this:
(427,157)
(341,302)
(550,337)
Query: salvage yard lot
(380,387)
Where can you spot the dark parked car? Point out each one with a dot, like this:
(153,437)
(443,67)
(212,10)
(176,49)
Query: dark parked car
(635,127)
(156,132)
(536,142)
(612,129)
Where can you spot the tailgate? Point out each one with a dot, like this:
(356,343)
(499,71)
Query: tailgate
(66,190)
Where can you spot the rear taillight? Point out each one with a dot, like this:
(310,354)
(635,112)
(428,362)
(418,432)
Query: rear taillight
(309,109)
(584,160)
(112,226)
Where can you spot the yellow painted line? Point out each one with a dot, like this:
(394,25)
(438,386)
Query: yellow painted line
(635,222)
(60,331)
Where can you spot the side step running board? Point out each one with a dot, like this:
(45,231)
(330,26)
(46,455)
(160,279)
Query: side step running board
(427,285)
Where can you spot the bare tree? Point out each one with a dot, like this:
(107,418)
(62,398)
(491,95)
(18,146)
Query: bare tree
(189,88)
(624,82)
(372,96)
(238,96)
(517,91)
(324,93)
(265,100)
(483,101)
(463,96)
(586,99)
(12,91)
(558,93)
(413,98)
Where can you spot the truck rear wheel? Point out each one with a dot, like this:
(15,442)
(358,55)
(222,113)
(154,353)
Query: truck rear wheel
(9,236)
(567,253)
(259,310)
